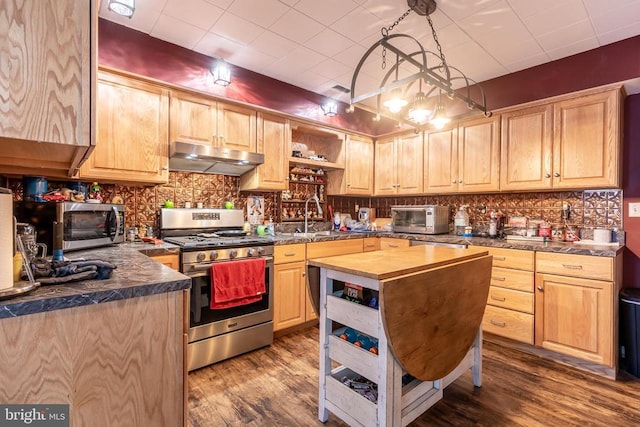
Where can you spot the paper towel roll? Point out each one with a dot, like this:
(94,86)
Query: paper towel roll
(7,232)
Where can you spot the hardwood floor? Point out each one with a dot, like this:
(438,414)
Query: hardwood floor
(278,386)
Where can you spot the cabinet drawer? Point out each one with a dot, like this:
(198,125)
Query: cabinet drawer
(370,244)
(518,280)
(512,258)
(393,243)
(585,266)
(288,253)
(335,247)
(507,323)
(513,300)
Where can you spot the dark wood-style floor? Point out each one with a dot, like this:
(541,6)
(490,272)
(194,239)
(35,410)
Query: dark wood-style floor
(278,386)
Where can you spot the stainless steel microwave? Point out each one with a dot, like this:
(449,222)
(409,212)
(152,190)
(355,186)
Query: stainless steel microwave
(423,219)
(85,225)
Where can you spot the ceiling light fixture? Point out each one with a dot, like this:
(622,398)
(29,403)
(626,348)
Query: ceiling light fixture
(221,73)
(122,7)
(330,108)
(398,82)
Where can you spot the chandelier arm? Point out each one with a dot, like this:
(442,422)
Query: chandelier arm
(385,43)
(359,66)
(470,102)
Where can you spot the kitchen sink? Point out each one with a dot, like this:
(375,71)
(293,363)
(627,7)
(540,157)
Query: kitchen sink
(309,235)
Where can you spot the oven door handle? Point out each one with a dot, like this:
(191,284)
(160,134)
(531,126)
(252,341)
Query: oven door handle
(203,266)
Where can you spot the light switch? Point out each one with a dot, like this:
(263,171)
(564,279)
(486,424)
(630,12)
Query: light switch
(634,209)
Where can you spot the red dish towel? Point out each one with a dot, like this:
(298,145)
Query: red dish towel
(237,283)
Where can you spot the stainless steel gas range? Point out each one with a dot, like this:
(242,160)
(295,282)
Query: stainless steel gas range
(206,237)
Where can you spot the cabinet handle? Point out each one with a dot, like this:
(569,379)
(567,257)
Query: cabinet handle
(556,174)
(547,175)
(540,288)
(289,254)
(392,246)
(498,298)
(369,246)
(499,258)
(501,324)
(499,279)
(572,266)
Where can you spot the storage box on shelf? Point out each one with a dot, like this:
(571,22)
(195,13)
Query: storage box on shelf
(510,304)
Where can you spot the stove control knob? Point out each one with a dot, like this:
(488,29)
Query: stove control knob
(233,253)
(213,255)
(200,256)
(260,250)
(251,252)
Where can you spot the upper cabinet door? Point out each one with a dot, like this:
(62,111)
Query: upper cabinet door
(359,166)
(527,137)
(274,141)
(479,155)
(409,157)
(193,119)
(46,69)
(132,133)
(385,183)
(587,141)
(236,127)
(441,161)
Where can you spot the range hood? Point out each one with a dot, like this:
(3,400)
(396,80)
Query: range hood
(189,157)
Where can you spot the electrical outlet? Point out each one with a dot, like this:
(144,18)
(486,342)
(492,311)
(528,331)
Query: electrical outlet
(634,210)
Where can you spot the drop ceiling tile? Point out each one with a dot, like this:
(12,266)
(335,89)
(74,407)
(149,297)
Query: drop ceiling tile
(252,59)
(198,13)
(529,62)
(616,18)
(562,15)
(564,36)
(263,12)
(460,9)
(351,56)
(449,37)
(618,34)
(328,42)
(296,27)
(177,32)
(217,47)
(500,17)
(273,44)
(599,7)
(526,8)
(473,61)
(386,10)
(572,49)
(290,2)
(331,69)
(223,4)
(297,60)
(506,53)
(141,21)
(326,11)
(235,28)
(358,24)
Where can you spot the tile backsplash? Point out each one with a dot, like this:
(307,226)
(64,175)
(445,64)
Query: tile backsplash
(589,209)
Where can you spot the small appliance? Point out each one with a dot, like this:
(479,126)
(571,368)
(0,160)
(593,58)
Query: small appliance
(422,219)
(367,215)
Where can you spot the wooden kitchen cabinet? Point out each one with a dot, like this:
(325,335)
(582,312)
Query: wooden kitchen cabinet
(398,165)
(370,244)
(527,141)
(576,306)
(357,176)
(570,142)
(274,141)
(393,243)
(132,131)
(170,260)
(479,155)
(199,119)
(290,299)
(510,303)
(48,62)
(463,158)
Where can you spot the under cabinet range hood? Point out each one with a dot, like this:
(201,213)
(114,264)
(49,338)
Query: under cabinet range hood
(189,157)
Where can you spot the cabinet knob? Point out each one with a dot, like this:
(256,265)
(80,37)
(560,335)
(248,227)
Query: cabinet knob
(556,174)
(304,273)
(540,288)
(165,168)
(454,181)
(547,175)
(459,181)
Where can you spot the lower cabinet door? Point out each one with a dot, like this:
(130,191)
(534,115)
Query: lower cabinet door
(290,295)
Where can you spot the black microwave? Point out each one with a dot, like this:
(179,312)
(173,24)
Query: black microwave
(85,225)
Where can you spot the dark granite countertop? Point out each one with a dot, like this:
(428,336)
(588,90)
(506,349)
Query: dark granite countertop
(560,247)
(136,275)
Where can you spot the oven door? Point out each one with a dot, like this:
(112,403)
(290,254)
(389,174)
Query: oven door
(206,323)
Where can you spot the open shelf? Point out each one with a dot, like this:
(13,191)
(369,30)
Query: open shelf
(315,163)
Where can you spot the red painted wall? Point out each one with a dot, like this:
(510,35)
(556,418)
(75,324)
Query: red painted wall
(631,189)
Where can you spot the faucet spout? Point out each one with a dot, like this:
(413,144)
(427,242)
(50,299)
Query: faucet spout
(306,210)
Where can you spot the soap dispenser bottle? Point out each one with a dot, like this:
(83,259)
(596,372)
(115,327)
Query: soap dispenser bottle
(461,220)
(271,230)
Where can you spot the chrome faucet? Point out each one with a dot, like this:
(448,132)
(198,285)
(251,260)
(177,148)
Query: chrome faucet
(306,210)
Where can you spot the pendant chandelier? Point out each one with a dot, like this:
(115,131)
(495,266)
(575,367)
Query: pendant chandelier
(413,84)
